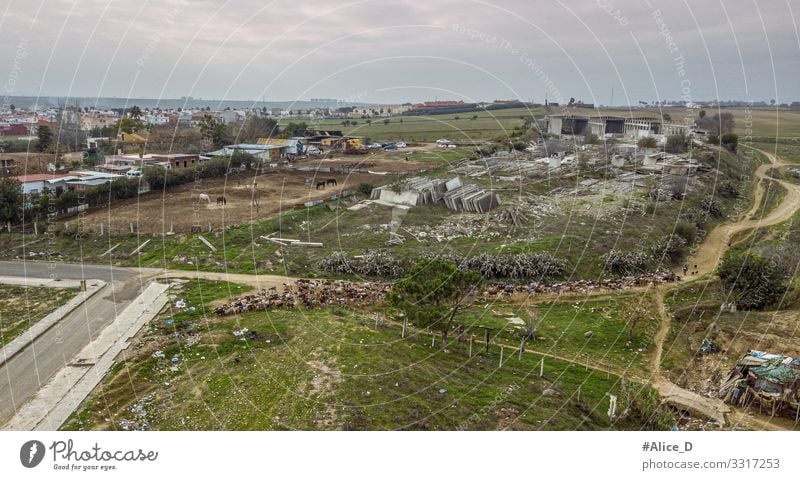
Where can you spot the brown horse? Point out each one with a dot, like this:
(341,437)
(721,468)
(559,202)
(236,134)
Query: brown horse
(320,185)
(221,200)
(330,181)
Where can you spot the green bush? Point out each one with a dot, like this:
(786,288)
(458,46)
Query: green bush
(752,280)
(686,230)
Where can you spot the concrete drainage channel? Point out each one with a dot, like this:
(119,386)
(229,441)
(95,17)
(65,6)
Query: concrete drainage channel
(55,402)
(18,344)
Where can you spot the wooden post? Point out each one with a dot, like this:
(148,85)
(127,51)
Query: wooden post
(797,415)
(486,340)
(209,226)
(541,368)
(102,229)
(579,393)
(131,225)
(433,339)
(471,339)
(35,228)
(8,226)
(501,356)
(403,333)
(520,354)
(608,374)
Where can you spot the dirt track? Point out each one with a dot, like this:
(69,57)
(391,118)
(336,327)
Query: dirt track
(707,258)
(709,254)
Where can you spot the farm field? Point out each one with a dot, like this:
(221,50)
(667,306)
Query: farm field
(279,190)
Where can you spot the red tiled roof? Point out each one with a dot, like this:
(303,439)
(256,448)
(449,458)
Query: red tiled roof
(38,177)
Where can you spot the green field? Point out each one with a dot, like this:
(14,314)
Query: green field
(335,369)
(464,129)
(754,123)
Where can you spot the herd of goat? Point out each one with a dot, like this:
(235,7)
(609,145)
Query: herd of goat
(311,294)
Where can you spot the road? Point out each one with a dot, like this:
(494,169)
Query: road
(710,252)
(24,374)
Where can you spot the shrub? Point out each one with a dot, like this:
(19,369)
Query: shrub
(626,263)
(670,247)
(686,230)
(365,189)
(711,207)
(753,281)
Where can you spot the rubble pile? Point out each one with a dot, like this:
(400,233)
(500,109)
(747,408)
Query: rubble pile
(309,294)
(372,263)
(471,198)
(580,286)
(427,191)
(541,266)
(626,263)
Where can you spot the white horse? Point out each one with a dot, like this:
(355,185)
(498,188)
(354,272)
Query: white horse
(203,197)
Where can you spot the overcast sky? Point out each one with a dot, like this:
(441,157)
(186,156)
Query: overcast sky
(388,51)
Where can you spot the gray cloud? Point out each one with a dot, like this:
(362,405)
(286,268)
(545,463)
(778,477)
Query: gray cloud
(400,51)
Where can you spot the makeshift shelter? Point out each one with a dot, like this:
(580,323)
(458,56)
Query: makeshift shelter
(770,380)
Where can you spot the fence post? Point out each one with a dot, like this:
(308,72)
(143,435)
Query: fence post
(541,368)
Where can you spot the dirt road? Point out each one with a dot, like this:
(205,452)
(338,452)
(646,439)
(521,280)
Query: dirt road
(707,258)
(710,252)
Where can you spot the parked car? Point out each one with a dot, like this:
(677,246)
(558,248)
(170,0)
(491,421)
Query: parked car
(443,141)
(376,145)
(133,173)
(390,146)
(312,150)
(400,145)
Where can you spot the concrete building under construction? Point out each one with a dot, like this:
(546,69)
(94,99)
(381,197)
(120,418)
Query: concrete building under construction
(601,125)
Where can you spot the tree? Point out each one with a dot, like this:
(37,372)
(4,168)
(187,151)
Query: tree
(386,122)
(532,321)
(45,136)
(135,112)
(730,141)
(213,131)
(127,125)
(258,127)
(647,142)
(719,124)
(676,144)
(702,114)
(752,280)
(10,200)
(295,129)
(12,107)
(433,293)
(634,313)
(591,139)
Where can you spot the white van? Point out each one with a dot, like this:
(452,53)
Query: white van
(133,173)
